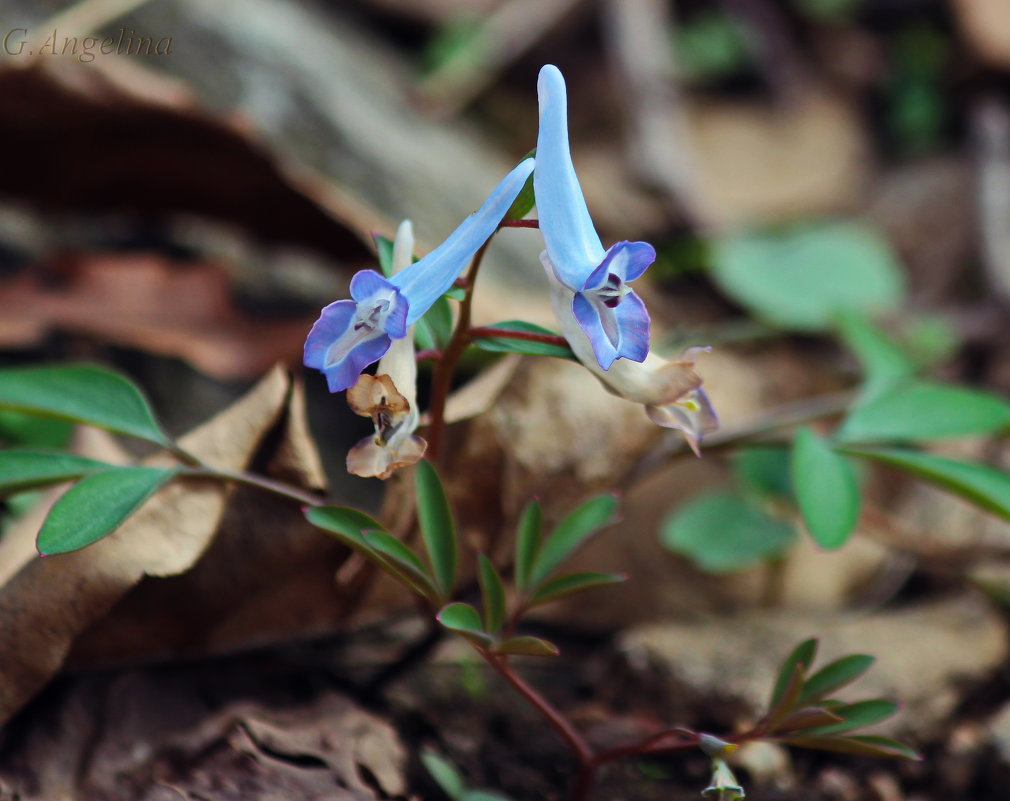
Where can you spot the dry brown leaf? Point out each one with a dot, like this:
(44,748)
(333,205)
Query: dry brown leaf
(46,605)
(151,303)
(986,23)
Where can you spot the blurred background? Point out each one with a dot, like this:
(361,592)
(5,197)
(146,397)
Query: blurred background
(184,184)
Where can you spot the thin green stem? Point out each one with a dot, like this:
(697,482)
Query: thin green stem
(252,480)
(529,336)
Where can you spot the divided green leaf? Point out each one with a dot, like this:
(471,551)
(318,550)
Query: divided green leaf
(465,621)
(402,563)
(25,469)
(834,676)
(721,533)
(857,716)
(884,365)
(344,523)
(511,345)
(562,586)
(802,277)
(921,411)
(97,505)
(527,543)
(571,533)
(826,490)
(434,330)
(802,655)
(984,486)
(80,394)
(525,200)
(492,593)
(437,527)
(445,774)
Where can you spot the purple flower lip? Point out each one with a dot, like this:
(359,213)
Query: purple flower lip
(352,334)
(611,315)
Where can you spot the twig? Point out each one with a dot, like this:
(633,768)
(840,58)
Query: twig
(640,33)
(253,480)
(990,122)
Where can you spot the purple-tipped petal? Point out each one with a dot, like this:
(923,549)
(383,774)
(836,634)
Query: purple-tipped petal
(604,342)
(333,321)
(633,323)
(345,372)
(426,280)
(629,259)
(572,242)
(367,283)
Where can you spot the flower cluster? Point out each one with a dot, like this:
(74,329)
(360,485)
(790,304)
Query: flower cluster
(599,314)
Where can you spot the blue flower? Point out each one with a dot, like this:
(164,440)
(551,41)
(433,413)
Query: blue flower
(612,316)
(351,334)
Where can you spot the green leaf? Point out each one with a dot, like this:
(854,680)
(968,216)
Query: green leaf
(525,200)
(858,715)
(826,490)
(802,277)
(806,718)
(434,330)
(96,506)
(570,533)
(483,795)
(834,676)
(346,524)
(24,469)
(785,705)
(445,774)
(401,562)
(764,471)
(35,432)
(384,252)
(80,394)
(884,364)
(437,528)
(465,621)
(984,486)
(527,544)
(510,345)
(722,533)
(527,646)
(562,586)
(858,744)
(803,654)
(492,593)
(921,411)
(455,293)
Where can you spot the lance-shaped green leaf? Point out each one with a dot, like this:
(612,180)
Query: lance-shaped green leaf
(344,523)
(81,394)
(857,716)
(983,486)
(504,344)
(434,330)
(826,490)
(785,706)
(806,718)
(445,774)
(722,532)
(834,676)
(921,411)
(562,586)
(402,563)
(25,469)
(527,543)
(802,655)
(570,533)
(492,593)
(384,252)
(31,431)
(465,621)
(526,199)
(858,744)
(526,646)
(764,472)
(884,365)
(437,527)
(96,506)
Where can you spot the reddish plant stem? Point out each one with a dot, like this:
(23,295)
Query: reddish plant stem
(431,354)
(520,224)
(441,382)
(251,479)
(558,721)
(529,336)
